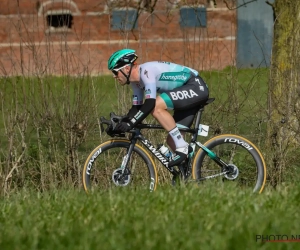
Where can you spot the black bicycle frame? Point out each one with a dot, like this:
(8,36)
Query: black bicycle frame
(136,135)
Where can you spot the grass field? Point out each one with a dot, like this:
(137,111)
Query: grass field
(201,217)
(241,98)
(193,217)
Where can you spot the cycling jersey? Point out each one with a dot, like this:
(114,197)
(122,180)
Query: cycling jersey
(158,77)
(181,88)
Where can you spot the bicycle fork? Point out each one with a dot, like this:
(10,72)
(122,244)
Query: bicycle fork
(126,157)
(122,175)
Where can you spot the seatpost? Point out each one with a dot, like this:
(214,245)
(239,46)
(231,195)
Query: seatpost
(198,119)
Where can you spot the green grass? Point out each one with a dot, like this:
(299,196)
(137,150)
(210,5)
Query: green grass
(224,85)
(56,104)
(241,98)
(241,101)
(203,217)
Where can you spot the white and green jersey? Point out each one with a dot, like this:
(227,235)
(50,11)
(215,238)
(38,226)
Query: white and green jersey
(158,77)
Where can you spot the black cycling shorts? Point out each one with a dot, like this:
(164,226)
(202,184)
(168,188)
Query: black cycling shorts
(186,100)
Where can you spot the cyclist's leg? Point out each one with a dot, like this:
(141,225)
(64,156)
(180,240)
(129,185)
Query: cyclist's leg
(186,97)
(185,101)
(167,121)
(161,114)
(183,119)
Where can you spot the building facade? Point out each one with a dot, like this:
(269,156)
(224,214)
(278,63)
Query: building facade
(76,37)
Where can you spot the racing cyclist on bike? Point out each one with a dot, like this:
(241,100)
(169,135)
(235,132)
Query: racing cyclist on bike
(180,88)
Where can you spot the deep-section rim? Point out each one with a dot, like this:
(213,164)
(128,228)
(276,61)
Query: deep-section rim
(138,149)
(200,154)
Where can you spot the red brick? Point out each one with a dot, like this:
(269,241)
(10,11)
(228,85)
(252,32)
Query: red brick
(91,41)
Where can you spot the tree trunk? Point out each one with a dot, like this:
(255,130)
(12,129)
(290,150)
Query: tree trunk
(284,88)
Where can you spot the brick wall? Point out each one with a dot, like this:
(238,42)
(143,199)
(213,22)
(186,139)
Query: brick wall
(26,46)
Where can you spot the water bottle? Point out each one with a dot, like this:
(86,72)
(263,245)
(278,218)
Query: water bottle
(165,151)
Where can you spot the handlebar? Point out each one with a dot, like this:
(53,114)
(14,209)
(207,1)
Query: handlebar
(114,120)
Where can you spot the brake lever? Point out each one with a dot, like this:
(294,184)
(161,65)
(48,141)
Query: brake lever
(117,118)
(114,120)
(104,121)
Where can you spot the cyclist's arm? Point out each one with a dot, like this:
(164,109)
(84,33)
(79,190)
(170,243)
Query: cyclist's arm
(137,100)
(133,110)
(150,99)
(145,110)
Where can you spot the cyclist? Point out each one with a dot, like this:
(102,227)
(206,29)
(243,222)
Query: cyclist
(180,88)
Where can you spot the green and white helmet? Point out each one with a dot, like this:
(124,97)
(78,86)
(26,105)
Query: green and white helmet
(121,58)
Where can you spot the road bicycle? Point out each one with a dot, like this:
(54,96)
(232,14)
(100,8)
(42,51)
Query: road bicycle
(124,162)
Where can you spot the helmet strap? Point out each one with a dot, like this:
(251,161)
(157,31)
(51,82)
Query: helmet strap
(127,76)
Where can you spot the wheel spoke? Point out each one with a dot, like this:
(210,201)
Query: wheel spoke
(107,171)
(245,164)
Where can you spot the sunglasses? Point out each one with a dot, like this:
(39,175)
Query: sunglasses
(115,71)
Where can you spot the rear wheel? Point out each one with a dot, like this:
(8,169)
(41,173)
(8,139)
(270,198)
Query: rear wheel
(246,164)
(103,168)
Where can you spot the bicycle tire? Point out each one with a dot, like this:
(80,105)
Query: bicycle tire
(247,158)
(106,158)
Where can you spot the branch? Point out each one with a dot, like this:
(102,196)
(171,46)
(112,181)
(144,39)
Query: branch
(271,4)
(227,5)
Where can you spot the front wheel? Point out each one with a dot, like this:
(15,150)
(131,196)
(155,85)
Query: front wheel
(246,163)
(104,168)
